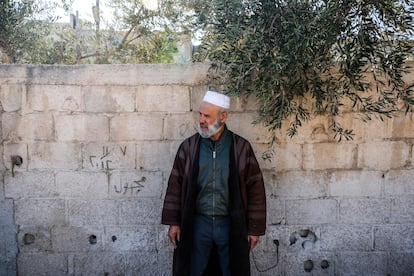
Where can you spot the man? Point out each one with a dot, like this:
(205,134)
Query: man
(215,201)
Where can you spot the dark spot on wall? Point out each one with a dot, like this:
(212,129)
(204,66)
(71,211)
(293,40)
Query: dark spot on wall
(28,238)
(92,239)
(308,265)
(324,264)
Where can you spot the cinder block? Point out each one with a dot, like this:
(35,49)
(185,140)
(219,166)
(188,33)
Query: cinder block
(163,242)
(361,263)
(318,130)
(364,210)
(55,98)
(374,130)
(136,127)
(109,98)
(275,211)
(329,156)
(383,155)
(42,263)
(135,184)
(160,159)
(197,93)
(270,187)
(77,239)
(282,233)
(243,103)
(339,238)
(311,211)
(265,262)
(144,263)
(163,98)
(279,157)
(8,246)
(12,73)
(242,124)
(40,212)
(79,184)
(127,238)
(306,184)
(55,156)
(399,182)
(179,126)
(6,212)
(165,251)
(82,128)
(109,156)
(266,156)
(401,263)
(12,149)
(99,263)
(8,265)
(30,184)
(140,211)
(30,127)
(93,212)
(294,264)
(402,210)
(33,239)
(355,183)
(403,126)
(11,96)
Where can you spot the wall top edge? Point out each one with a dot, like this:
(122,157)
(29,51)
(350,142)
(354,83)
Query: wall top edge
(117,74)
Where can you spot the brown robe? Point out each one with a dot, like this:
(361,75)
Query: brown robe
(247,204)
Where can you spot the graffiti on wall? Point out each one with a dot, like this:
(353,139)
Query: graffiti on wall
(130,188)
(105,160)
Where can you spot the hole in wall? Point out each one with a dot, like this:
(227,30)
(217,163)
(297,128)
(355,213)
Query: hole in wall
(28,238)
(308,265)
(92,239)
(16,160)
(324,264)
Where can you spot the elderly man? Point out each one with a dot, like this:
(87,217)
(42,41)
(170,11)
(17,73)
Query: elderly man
(215,202)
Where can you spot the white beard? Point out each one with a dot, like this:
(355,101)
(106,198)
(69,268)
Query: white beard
(212,129)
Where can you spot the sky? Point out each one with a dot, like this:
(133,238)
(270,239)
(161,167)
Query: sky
(84,7)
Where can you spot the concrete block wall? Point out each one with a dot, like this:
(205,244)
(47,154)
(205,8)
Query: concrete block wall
(97,144)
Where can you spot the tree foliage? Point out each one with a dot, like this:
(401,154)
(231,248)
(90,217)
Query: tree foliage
(303,58)
(142,35)
(24,30)
(136,35)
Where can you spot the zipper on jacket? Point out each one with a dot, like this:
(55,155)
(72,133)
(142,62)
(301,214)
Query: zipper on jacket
(214,178)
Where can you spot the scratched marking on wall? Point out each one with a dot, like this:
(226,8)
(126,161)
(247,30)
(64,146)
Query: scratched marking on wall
(130,188)
(104,160)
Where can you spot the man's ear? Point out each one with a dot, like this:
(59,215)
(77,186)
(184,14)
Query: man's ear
(223,116)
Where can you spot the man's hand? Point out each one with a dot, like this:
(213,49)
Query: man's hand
(253,240)
(174,234)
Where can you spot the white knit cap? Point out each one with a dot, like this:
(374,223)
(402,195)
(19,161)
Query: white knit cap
(217,99)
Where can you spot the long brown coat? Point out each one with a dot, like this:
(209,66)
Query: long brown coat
(247,203)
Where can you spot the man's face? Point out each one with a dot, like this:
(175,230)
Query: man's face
(210,120)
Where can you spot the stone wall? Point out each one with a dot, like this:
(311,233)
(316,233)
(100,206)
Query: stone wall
(97,144)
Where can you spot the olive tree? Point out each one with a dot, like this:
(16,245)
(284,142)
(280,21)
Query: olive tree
(29,33)
(303,58)
(24,30)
